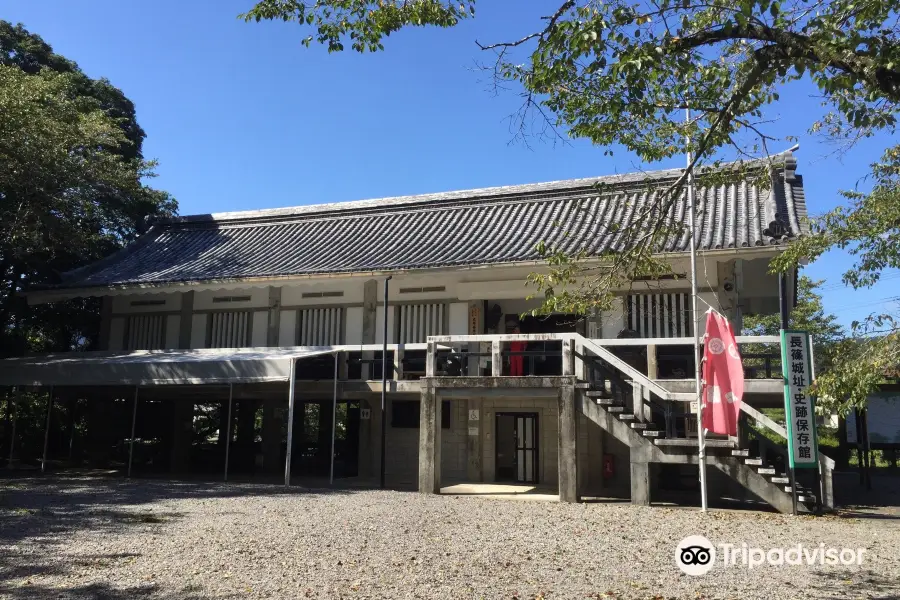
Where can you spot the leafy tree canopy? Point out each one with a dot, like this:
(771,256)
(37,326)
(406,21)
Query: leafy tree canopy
(621,72)
(71,186)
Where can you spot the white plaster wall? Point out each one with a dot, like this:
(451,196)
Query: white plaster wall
(116,334)
(379,325)
(459,318)
(287,328)
(198,331)
(292,295)
(122,304)
(173,327)
(259,298)
(613,321)
(260,328)
(353,327)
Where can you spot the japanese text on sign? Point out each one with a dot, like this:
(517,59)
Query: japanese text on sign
(799,407)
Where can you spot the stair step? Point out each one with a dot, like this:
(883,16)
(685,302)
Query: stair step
(643,425)
(597,394)
(743,453)
(616,409)
(756,462)
(692,443)
(800,491)
(652,433)
(806,498)
(624,417)
(780,479)
(766,470)
(609,402)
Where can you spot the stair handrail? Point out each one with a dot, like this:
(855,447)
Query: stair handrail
(624,367)
(826,461)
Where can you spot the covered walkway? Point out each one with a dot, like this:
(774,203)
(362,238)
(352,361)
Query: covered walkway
(165,383)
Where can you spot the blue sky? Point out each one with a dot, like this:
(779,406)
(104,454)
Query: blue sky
(241,116)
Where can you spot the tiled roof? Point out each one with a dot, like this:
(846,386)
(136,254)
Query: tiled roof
(474,227)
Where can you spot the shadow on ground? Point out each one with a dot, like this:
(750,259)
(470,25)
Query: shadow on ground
(107,592)
(834,585)
(856,501)
(41,512)
(53,506)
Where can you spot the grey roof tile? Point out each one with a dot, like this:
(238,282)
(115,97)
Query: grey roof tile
(473,227)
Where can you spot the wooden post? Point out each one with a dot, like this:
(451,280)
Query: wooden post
(398,362)
(430,359)
(496,359)
(652,363)
(568,357)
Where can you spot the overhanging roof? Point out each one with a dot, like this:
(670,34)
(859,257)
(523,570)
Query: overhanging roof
(488,226)
(155,367)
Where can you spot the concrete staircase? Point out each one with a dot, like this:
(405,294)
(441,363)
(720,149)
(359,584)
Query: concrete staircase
(620,401)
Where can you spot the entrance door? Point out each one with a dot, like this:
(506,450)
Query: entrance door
(516,447)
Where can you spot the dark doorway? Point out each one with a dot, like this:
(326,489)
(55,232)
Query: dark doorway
(547,359)
(517,447)
(311,455)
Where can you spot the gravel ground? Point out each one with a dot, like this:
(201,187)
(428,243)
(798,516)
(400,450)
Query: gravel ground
(94,538)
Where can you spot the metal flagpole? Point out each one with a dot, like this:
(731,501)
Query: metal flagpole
(384,382)
(228,427)
(290,431)
(47,429)
(133,425)
(334,417)
(696,317)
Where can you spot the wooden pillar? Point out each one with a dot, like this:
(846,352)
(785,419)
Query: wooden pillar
(274,316)
(652,363)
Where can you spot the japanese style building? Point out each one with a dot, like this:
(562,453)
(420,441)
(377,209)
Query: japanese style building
(273,321)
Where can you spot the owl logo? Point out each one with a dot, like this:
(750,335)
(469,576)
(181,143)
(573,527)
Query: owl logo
(716,346)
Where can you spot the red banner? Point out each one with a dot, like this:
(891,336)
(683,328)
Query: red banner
(723,377)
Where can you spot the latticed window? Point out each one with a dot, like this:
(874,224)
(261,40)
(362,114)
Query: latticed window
(229,329)
(661,315)
(320,326)
(418,321)
(145,332)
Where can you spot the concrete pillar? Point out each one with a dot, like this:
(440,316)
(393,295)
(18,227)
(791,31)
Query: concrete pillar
(182,434)
(430,442)
(640,477)
(568,444)
(272,425)
(473,440)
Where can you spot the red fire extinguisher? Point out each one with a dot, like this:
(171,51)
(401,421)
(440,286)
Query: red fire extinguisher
(609,468)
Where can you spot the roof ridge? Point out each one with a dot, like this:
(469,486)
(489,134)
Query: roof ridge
(466,196)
